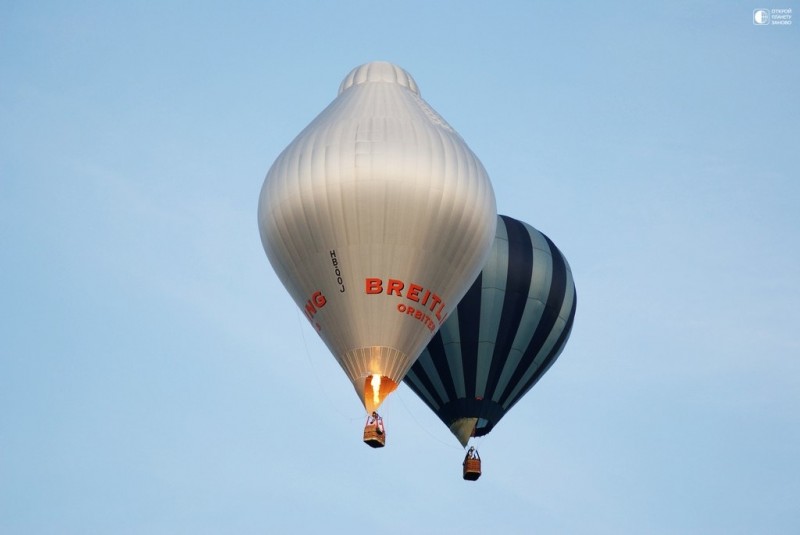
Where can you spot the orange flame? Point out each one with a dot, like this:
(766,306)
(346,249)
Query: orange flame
(376,389)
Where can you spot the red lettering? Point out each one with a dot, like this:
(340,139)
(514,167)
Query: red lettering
(426,296)
(394,286)
(374,285)
(430,300)
(316,302)
(436,301)
(413,292)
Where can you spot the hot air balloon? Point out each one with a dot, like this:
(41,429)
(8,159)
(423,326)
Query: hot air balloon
(376,218)
(504,335)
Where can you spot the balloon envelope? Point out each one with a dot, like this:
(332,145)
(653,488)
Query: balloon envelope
(377,218)
(506,332)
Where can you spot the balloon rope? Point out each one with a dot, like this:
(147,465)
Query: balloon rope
(330,403)
(449,446)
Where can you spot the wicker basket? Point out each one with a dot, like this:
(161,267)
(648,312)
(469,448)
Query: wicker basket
(472,469)
(373,438)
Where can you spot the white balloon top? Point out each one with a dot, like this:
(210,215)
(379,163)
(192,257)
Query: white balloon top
(379,71)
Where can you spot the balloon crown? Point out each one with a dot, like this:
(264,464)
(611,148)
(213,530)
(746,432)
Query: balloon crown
(378,71)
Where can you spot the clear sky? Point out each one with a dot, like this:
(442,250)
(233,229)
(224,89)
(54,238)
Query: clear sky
(156,378)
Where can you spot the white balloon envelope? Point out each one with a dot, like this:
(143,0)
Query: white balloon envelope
(377,218)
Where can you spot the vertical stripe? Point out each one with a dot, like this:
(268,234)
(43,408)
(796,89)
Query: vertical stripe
(518,280)
(492,295)
(541,274)
(552,309)
(451,337)
(439,360)
(555,351)
(469,317)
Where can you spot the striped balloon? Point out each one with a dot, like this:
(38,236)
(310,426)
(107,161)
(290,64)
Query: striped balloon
(504,335)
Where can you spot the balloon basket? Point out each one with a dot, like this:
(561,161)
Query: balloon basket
(372,438)
(472,469)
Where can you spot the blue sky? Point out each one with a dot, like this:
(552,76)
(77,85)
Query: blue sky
(155,377)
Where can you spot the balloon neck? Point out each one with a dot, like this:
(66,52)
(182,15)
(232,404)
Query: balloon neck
(376,389)
(464,429)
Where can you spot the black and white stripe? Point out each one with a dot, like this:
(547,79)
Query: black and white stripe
(505,333)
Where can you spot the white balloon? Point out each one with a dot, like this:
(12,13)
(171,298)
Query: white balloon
(377,218)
